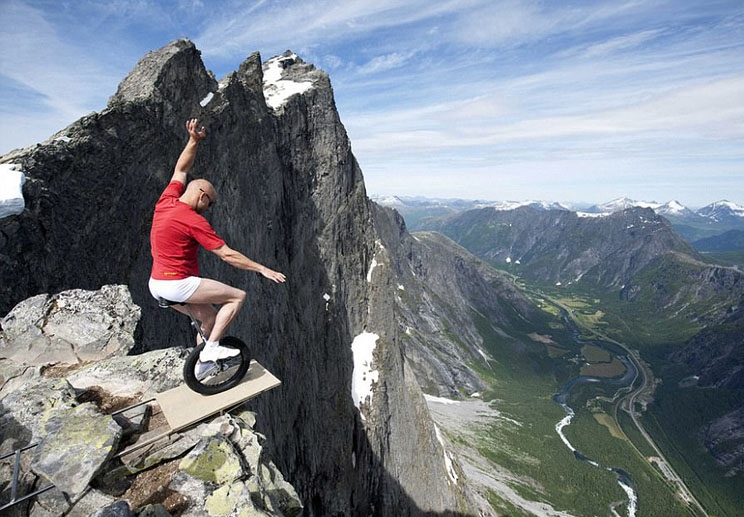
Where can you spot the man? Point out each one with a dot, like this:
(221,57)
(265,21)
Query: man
(178,229)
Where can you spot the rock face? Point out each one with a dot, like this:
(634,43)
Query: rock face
(716,356)
(444,297)
(292,197)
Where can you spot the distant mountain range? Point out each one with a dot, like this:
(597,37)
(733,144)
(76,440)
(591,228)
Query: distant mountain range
(710,221)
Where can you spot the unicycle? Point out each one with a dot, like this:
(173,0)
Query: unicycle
(212,377)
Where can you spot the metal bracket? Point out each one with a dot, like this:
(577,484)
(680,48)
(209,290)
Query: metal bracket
(16,472)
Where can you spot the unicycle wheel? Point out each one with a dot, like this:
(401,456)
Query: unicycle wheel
(214,377)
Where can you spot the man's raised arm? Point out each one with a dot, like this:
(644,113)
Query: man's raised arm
(186,160)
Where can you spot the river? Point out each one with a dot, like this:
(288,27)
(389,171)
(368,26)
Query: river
(623,478)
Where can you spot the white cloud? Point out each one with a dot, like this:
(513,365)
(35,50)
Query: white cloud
(621,43)
(384,63)
(296,24)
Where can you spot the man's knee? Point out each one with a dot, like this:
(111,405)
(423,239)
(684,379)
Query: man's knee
(240,296)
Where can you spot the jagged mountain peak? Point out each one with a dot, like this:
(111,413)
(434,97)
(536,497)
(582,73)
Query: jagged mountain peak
(721,210)
(172,74)
(672,206)
(286,75)
(622,203)
(536,204)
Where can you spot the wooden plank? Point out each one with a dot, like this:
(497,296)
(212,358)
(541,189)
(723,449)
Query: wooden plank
(183,407)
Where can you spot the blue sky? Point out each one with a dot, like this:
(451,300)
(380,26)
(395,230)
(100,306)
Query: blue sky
(480,99)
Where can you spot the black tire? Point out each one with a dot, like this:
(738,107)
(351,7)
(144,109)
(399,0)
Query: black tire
(232,370)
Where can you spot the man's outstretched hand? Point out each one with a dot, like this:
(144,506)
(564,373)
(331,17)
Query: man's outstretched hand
(195,133)
(276,276)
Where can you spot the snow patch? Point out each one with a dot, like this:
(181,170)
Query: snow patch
(588,214)
(12,179)
(364,374)
(277,90)
(372,267)
(206,99)
(440,400)
(451,472)
(374,262)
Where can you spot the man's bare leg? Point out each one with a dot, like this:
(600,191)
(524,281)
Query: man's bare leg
(204,313)
(215,322)
(229,298)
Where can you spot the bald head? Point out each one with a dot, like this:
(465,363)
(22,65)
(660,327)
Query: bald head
(200,195)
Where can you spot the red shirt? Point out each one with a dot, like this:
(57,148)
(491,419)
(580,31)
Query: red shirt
(177,231)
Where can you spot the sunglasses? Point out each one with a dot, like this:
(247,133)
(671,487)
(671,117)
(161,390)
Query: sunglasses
(208,197)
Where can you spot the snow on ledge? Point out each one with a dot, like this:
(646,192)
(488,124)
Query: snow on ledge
(12,179)
(364,375)
(448,464)
(589,215)
(277,90)
(374,262)
(440,400)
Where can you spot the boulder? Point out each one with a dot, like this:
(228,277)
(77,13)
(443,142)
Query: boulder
(77,444)
(229,499)
(90,502)
(142,375)
(13,376)
(70,327)
(117,509)
(24,413)
(224,475)
(215,460)
(169,448)
(154,510)
(275,491)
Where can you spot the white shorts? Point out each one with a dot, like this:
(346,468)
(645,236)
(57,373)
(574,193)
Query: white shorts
(174,290)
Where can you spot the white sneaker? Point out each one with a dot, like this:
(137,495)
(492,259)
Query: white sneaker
(203,369)
(215,353)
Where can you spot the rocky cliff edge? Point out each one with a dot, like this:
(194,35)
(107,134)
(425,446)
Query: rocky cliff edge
(70,408)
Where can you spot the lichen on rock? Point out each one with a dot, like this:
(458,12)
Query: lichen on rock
(213,459)
(78,442)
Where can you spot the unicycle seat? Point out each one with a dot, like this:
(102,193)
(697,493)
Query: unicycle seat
(164,304)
